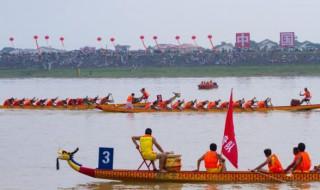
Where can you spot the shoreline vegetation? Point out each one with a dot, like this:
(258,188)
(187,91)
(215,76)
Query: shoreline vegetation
(173,72)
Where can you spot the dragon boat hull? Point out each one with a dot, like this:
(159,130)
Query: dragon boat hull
(191,176)
(76,107)
(122,109)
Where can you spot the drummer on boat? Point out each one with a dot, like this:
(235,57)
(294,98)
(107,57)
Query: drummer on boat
(307,96)
(213,161)
(146,149)
(274,164)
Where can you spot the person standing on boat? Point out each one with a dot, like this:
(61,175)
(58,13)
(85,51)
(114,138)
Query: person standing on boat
(296,156)
(303,161)
(146,149)
(145,95)
(272,161)
(307,96)
(213,161)
(130,99)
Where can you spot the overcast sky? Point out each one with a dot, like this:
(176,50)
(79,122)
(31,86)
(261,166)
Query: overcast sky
(82,21)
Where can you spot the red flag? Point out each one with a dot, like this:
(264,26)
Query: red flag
(229,144)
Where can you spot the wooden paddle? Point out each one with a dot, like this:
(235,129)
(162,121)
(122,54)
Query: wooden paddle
(269,176)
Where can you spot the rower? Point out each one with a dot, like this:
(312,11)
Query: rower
(213,161)
(238,103)
(190,105)
(202,104)
(61,102)
(249,103)
(146,148)
(272,161)
(18,102)
(296,156)
(303,162)
(106,100)
(224,105)
(307,96)
(213,104)
(8,102)
(145,94)
(264,103)
(164,104)
(177,105)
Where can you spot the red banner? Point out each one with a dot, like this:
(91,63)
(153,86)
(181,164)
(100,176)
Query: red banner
(287,39)
(243,40)
(229,144)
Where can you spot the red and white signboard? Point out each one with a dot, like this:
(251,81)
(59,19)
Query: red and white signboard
(243,40)
(287,39)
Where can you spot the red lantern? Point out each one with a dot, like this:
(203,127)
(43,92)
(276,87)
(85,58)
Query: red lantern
(35,37)
(11,39)
(112,39)
(193,37)
(46,37)
(210,36)
(177,37)
(61,38)
(141,37)
(99,39)
(155,37)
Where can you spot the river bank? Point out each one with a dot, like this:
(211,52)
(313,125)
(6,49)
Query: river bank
(201,71)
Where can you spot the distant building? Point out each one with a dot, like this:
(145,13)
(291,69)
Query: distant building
(122,48)
(307,45)
(267,45)
(189,48)
(224,47)
(35,51)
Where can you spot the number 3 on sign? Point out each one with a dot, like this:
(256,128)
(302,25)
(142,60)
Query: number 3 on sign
(106,155)
(105,158)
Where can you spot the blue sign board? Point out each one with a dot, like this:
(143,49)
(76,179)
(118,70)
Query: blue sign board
(105,158)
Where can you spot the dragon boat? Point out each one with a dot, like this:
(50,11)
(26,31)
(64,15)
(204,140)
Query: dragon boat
(68,107)
(122,109)
(185,176)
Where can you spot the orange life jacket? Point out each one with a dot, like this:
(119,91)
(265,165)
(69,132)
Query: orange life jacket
(175,105)
(16,102)
(224,104)
(261,104)
(27,102)
(212,105)
(236,104)
(305,164)
(48,102)
(130,99)
(248,104)
(59,103)
(188,105)
(211,160)
(200,105)
(275,165)
(6,102)
(307,94)
(79,101)
(145,95)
